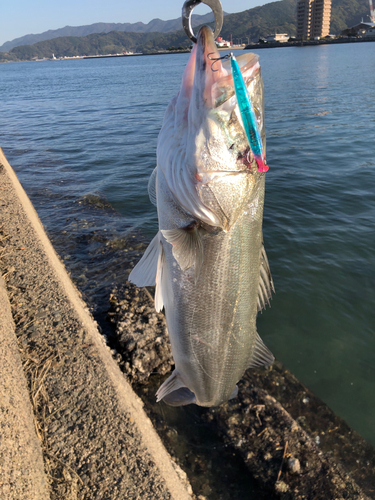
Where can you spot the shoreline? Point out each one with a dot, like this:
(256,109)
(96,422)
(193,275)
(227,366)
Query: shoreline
(267,45)
(92,419)
(337,41)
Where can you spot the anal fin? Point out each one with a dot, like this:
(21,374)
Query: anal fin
(234,393)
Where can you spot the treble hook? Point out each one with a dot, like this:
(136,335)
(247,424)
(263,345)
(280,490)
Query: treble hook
(215,59)
(187,9)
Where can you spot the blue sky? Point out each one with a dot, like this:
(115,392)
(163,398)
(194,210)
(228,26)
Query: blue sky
(22,17)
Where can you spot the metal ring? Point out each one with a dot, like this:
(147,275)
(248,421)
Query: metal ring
(187,9)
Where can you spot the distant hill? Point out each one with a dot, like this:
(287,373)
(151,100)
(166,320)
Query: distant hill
(280,17)
(156,25)
(275,17)
(347,13)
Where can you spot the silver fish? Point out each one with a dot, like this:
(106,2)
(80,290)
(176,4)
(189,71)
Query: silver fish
(207,260)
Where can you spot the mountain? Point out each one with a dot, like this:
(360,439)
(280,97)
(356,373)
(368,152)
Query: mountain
(115,42)
(280,17)
(347,13)
(156,25)
(275,17)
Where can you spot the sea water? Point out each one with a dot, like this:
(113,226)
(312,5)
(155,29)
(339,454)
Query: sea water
(81,136)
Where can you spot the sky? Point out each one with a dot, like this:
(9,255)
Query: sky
(24,17)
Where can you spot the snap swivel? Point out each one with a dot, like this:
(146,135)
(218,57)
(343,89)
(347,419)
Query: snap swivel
(187,9)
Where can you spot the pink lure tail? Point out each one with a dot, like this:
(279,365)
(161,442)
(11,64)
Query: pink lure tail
(262,166)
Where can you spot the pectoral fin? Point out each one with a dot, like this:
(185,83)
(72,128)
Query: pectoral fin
(174,392)
(265,287)
(261,356)
(187,246)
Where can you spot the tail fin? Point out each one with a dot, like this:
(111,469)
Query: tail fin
(174,392)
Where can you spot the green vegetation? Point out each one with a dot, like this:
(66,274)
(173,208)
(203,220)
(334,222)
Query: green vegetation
(154,25)
(275,17)
(115,42)
(347,13)
(180,48)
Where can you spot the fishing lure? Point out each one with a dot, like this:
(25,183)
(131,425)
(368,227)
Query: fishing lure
(248,116)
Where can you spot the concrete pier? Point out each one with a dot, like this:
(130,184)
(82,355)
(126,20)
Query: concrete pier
(90,427)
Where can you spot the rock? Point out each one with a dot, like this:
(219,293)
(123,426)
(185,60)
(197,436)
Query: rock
(294,466)
(141,333)
(281,487)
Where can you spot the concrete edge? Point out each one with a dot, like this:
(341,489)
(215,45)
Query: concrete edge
(21,459)
(128,401)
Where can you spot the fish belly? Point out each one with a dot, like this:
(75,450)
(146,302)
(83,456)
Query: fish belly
(212,322)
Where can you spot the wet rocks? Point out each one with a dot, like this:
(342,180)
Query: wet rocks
(141,334)
(278,452)
(281,452)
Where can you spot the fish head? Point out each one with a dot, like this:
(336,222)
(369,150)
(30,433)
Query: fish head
(202,147)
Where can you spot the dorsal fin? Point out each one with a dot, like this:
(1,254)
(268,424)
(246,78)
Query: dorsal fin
(152,186)
(187,246)
(261,355)
(266,286)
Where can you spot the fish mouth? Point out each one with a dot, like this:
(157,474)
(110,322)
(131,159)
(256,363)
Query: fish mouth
(206,47)
(209,77)
(208,66)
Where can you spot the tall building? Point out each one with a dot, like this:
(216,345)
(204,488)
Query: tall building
(304,9)
(313,18)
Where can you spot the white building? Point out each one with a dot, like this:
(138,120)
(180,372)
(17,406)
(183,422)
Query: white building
(277,37)
(369,32)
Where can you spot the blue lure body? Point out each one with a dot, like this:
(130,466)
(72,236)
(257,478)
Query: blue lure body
(248,116)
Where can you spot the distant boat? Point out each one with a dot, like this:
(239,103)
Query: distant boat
(221,43)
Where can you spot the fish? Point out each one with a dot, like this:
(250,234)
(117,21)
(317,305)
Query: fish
(207,261)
